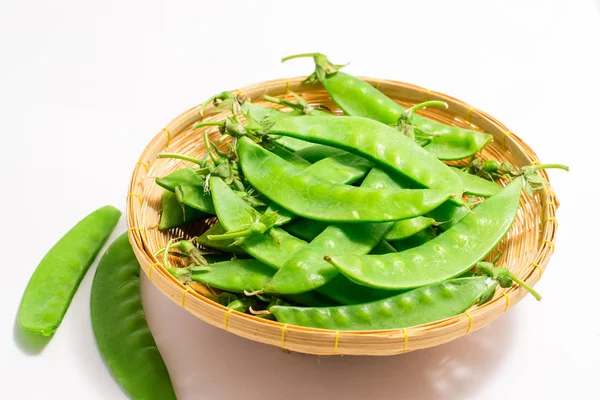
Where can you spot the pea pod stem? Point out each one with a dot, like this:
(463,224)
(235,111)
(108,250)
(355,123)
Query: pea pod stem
(549,166)
(208,123)
(526,286)
(302,55)
(233,234)
(182,157)
(430,103)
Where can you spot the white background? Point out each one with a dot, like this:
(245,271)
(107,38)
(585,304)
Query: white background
(85,85)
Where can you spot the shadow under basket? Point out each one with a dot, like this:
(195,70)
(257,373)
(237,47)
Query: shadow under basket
(525,250)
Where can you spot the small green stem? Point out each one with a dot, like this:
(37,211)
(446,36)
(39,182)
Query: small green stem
(523,284)
(209,123)
(496,258)
(209,151)
(232,235)
(181,157)
(431,103)
(303,55)
(550,166)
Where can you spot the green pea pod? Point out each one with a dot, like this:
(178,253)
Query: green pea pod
(341,169)
(419,306)
(307,270)
(184,176)
(448,255)
(173,214)
(289,156)
(314,198)
(477,186)
(57,277)
(222,245)
(358,98)
(449,214)
(249,275)
(307,229)
(274,249)
(376,142)
(195,197)
(408,227)
(316,153)
(122,334)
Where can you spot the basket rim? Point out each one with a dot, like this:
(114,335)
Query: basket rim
(472,319)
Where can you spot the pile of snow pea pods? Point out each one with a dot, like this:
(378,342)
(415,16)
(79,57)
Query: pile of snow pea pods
(352,222)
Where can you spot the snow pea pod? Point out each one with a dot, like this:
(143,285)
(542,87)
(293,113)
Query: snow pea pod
(250,275)
(448,255)
(195,197)
(183,176)
(358,98)
(57,277)
(316,153)
(235,214)
(173,214)
(307,229)
(408,227)
(376,142)
(343,168)
(122,333)
(314,198)
(307,270)
(419,306)
(476,186)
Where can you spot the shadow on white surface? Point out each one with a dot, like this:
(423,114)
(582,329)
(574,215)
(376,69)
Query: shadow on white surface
(27,342)
(209,363)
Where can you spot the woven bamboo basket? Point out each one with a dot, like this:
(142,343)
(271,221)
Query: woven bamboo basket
(525,250)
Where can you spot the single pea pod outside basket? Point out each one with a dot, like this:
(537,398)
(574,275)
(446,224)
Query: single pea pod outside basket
(526,254)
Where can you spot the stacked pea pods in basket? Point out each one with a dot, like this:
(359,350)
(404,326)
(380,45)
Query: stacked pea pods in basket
(373,218)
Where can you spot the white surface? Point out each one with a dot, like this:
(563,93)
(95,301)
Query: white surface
(83,88)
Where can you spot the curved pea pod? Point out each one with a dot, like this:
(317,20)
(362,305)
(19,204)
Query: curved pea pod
(184,176)
(173,214)
(383,247)
(307,229)
(448,255)
(341,169)
(416,307)
(289,156)
(222,245)
(377,142)
(316,153)
(250,275)
(235,214)
(307,270)
(311,197)
(358,98)
(195,197)
(449,214)
(408,227)
(477,186)
(122,334)
(56,279)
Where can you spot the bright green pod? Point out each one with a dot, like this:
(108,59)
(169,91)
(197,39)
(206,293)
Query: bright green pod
(56,279)
(122,333)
